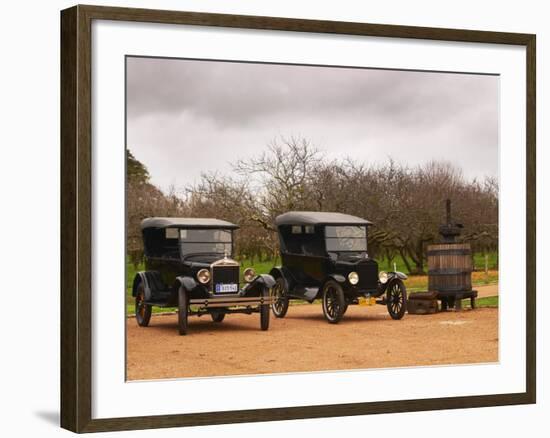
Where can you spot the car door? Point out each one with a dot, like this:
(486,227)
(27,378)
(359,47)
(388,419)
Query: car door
(314,254)
(304,259)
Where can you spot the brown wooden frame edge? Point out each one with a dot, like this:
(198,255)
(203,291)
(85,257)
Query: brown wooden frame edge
(76,342)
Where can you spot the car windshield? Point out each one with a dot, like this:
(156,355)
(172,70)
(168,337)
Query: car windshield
(197,241)
(346,238)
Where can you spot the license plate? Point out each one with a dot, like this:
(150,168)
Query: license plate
(364,301)
(226,287)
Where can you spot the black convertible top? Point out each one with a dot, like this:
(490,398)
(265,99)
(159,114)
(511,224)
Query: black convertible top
(185,222)
(318,218)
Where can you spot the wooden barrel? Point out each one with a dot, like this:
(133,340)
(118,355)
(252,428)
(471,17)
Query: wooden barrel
(449,267)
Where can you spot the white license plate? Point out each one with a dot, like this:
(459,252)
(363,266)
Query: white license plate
(224,288)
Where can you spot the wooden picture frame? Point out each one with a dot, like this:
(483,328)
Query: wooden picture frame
(76,226)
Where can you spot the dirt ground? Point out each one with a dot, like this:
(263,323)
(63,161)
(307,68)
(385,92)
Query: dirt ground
(487,291)
(303,341)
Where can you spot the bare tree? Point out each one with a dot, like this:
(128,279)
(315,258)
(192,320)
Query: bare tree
(406,204)
(284,172)
(233,200)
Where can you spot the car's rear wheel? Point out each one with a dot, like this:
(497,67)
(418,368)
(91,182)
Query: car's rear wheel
(183,310)
(143,310)
(396,299)
(264,311)
(279,306)
(217,316)
(334,302)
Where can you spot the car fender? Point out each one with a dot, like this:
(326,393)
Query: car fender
(284,273)
(278,271)
(261,283)
(150,280)
(392,275)
(266,279)
(396,274)
(338,278)
(188,283)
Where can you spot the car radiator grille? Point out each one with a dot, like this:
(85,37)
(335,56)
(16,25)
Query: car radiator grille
(368,275)
(225,275)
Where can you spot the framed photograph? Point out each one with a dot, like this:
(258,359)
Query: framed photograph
(270,218)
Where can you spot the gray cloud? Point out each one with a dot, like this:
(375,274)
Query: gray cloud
(188,116)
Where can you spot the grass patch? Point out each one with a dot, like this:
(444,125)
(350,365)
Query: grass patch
(131,271)
(486,302)
(388,265)
(492,261)
(260,267)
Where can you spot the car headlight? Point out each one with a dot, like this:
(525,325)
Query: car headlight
(353,278)
(249,274)
(203,276)
(383,277)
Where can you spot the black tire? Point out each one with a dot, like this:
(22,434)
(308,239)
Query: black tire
(217,316)
(264,312)
(143,311)
(334,302)
(183,310)
(279,294)
(396,299)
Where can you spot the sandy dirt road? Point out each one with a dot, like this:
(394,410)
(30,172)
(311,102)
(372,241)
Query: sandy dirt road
(303,341)
(487,291)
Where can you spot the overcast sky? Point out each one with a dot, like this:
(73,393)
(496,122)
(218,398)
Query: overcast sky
(186,117)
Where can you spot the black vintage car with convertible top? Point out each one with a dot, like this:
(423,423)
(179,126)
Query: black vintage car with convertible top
(324,255)
(189,266)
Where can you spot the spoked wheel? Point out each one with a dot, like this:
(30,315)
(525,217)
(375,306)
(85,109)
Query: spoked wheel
(264,311)
(183,311)
(143,311)
(396,299)
(334,302)
(280,298)
(217,316)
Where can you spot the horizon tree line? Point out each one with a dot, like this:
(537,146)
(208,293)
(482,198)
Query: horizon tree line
(406,204)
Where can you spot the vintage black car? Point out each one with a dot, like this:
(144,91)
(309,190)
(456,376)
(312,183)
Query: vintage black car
(324,255)
(189,266)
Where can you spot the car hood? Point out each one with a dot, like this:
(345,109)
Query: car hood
(353,262)
(202,260)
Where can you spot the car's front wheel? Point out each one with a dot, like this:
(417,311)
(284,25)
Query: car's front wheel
(396,299)
(183,310)
(280,298)
(143,310)
(264,311)
(334,302)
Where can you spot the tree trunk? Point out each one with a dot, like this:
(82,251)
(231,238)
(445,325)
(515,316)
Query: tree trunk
(419,267)
(417,257)
(405,260)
